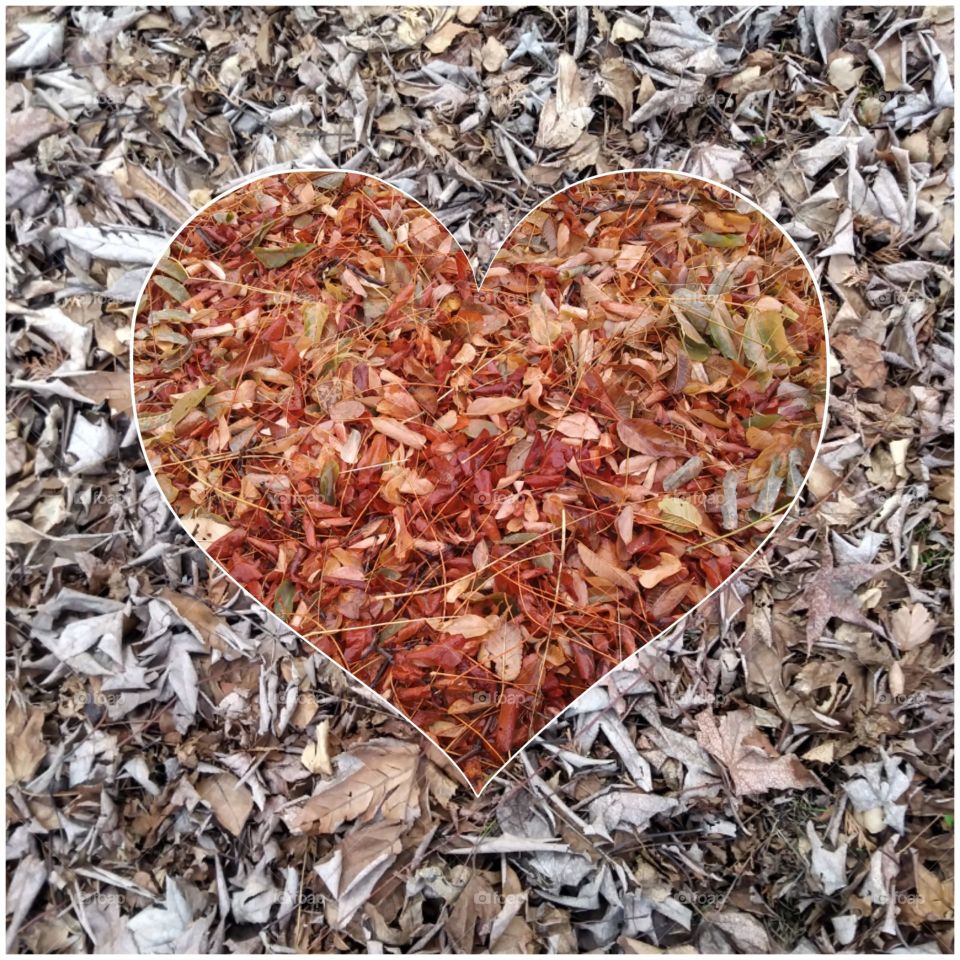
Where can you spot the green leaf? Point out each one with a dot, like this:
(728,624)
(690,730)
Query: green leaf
(186,403)
(695,308)
(761,420)
(329,181)
(544,560)
(383,234)
(680,515)
(166,335)
(173,315)
(154,421)
(173,268)
(723,241)
(315,319)
(696,348)
(176,289)
(328,482)
(280,256)
(522,537)
(720,331)
(283,600)
(764,335)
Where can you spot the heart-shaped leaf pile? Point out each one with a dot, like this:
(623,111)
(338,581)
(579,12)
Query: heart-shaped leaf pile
(478,502)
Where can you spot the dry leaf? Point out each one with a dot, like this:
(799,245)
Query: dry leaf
(229,799)
(502,651)
(566,114)
(373,778)
(753,764)
(606,570)
(911,626)
(25,746)
(397,431)
(489,406)
(667,567)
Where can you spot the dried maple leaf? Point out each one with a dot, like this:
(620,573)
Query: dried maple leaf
(752,762)
(831,593)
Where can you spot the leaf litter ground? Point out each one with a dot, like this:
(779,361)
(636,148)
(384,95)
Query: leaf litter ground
(163,733)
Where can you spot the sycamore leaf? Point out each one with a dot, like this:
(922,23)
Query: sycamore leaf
(752,762)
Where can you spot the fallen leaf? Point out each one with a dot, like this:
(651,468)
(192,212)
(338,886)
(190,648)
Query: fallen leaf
(25,746)
(397,431)
(667,567)
(606,570)
(644,436)
(753,764)
(502,651)
(376,777)
(567,113)
(489,406)
(229,799)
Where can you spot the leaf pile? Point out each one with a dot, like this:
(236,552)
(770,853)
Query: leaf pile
(480,502)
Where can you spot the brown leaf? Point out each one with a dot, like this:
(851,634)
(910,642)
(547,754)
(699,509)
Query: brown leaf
(502,651)
(753,764)
(477,901)
(644,436)
(667,567)
(578,426)
(489,406)
(831,593)
(605,569)
(439,41)
(229,799)
(863,357)
(911,626)
(397,431)
(25,746)
(374,777)
(565,115)
(197,615)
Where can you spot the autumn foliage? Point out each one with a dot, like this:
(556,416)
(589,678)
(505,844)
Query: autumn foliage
(480,501)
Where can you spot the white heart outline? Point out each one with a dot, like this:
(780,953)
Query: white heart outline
(675,625)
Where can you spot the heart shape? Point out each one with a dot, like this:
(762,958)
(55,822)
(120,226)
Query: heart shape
(478,501)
